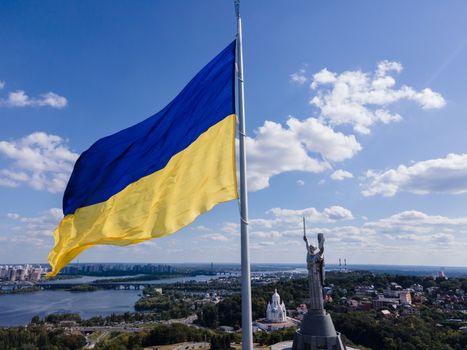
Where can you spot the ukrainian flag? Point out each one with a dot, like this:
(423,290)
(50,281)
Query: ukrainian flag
(157,176)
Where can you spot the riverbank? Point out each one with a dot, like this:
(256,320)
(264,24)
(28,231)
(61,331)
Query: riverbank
(25,290)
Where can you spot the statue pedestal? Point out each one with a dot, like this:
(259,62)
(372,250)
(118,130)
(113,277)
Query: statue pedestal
(317,332)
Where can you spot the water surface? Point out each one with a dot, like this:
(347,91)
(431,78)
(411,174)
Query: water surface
(18,309)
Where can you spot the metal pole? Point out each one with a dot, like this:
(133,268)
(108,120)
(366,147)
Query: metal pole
(247,331)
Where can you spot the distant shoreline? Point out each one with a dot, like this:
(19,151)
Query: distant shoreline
(233,264)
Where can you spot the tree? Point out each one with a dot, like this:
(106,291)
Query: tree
(208,316)
(220,342)
(36,320)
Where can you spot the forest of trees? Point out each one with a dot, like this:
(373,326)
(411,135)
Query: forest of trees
(168,334)
(411,333)
(38,337)
(165,306)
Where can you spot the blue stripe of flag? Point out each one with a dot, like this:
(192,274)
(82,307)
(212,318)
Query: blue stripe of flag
(114,162)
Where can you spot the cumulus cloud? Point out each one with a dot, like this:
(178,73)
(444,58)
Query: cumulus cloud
(355,98)
(215,237)
(42,161)
(39,226)
(317,137)
(412,228)
(361,99)
(298,77)
(306,145)
(407,237)
(337,213)
(293,217)
(323,77)
(340,175)
(20,99)
(442,175)
(383,240)
(415,219)
(275,150)
(28,238)
(300,183)
(386,66)
(231,228)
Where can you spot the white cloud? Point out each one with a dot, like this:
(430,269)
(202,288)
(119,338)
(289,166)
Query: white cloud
(408,237)
(322,139)
(287,218)
(413,219)
(419,232)
(299,146)
(442,175)
(299,77)
(267,234)
(429,99)
(2,84)
(337,213)
(51,99)
(340,175)
(313,145)
(231,228)
(201,228)
(361,99)
(275,150)
(323,77)
(28,238)
(40,227)
(40,160)
(300,183)
(6,182)
(387,66)
(215,237)
(20,99)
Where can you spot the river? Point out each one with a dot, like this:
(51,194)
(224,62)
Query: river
(18,309)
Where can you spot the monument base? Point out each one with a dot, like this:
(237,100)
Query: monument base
(317,332)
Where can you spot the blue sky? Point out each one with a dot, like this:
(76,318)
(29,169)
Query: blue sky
(355,115)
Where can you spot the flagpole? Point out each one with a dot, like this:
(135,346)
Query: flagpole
(247,331)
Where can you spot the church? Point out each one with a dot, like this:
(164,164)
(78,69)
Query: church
(276,311)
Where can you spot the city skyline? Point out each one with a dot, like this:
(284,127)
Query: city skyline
(361,131)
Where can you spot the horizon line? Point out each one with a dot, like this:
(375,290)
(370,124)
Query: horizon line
(236,263)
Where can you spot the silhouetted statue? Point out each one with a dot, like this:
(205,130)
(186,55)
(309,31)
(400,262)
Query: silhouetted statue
(315,266)
(317,329)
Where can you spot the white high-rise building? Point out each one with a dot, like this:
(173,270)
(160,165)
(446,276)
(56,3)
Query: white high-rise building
(276,311)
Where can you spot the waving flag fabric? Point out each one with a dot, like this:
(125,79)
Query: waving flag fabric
(157,176)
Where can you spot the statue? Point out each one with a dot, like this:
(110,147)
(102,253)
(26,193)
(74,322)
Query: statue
(317,329)
(315,266)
